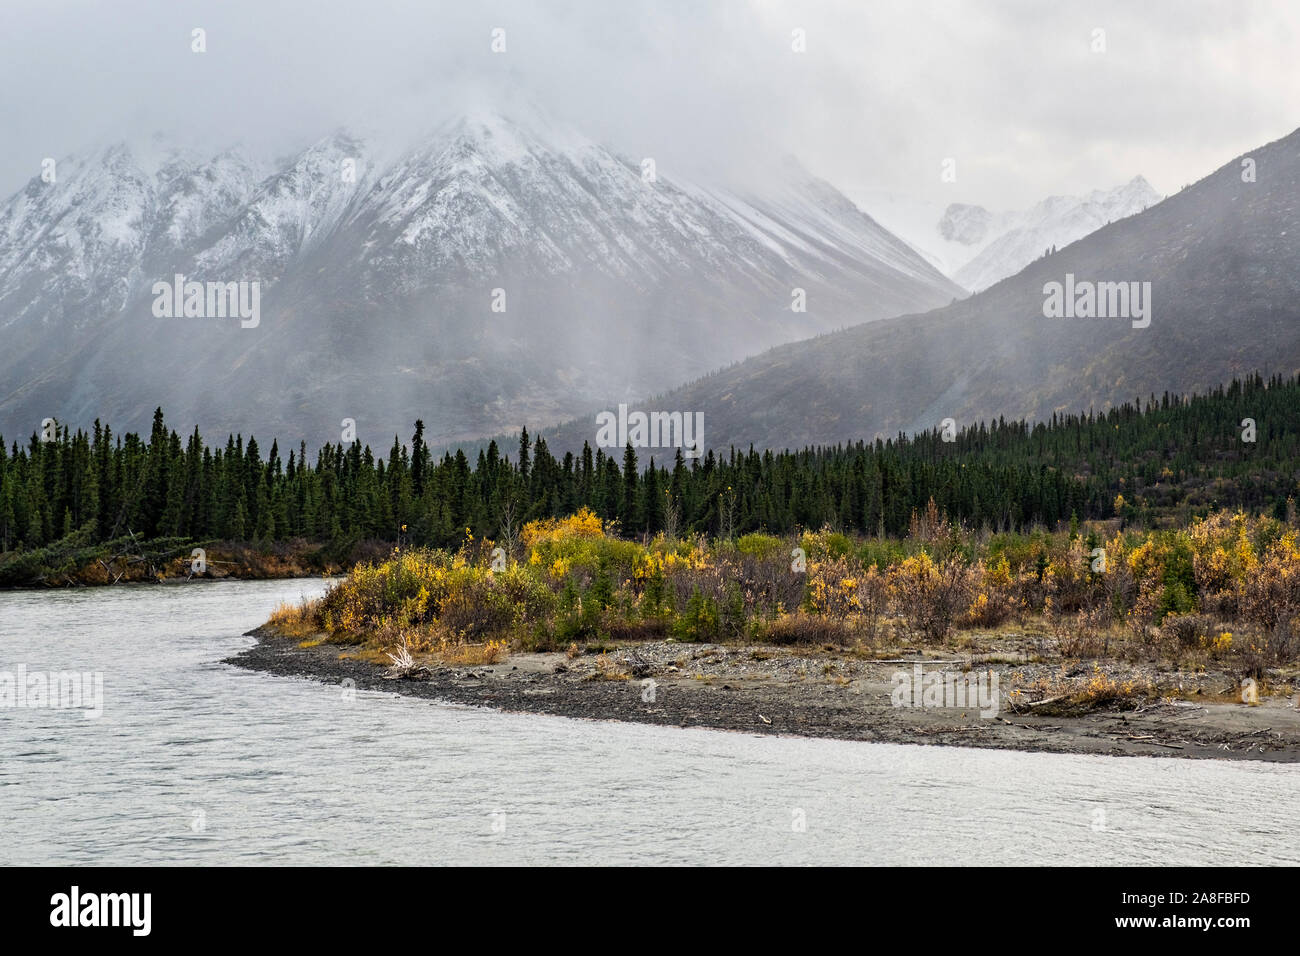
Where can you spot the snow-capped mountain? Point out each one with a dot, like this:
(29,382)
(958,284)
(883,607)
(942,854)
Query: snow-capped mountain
(290,213)
(795,212)
(65,246)
(498,272)
(77,246)
(976,247)
(1216,264)
(1003,244)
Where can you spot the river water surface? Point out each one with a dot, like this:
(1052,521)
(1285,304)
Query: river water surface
(196,761)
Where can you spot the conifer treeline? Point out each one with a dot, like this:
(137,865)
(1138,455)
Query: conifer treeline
(1166,456)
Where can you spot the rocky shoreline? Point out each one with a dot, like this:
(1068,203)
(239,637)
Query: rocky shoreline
(778,691)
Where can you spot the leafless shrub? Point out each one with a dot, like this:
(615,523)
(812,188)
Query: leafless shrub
(404,666)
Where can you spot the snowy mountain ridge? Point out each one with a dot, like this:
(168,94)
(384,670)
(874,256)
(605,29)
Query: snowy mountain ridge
(1010,241)
(380,263)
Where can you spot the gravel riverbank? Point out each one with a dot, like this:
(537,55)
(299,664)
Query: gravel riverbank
(818,694)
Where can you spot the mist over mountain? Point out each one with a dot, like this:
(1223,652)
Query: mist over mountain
(1220,257)
(502,271)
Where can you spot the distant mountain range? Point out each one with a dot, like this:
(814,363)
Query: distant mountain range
(1003,244)
(1221,258)
(503,271)
(510,271)
(976,247)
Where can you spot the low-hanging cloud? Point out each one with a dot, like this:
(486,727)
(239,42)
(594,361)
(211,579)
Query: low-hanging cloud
(1013,90)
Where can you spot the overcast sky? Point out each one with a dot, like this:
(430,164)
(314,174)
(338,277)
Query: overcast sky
(884,92)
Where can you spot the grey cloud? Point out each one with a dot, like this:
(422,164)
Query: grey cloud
(884,92)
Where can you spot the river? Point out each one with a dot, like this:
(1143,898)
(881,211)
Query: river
(196,761)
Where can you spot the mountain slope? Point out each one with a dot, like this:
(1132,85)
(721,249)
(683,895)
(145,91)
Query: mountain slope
(503,271)
(1220,256)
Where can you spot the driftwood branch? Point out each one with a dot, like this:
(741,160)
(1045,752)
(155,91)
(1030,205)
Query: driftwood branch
(1046,700)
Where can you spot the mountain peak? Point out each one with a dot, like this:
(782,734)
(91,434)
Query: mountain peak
(614,281)
(520,125)
(1011,241)
(1216,259)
